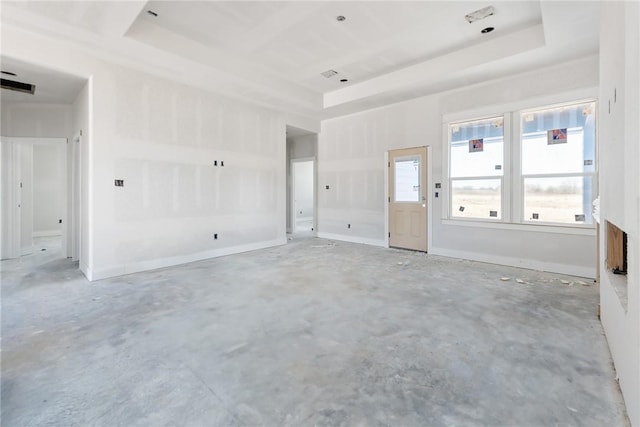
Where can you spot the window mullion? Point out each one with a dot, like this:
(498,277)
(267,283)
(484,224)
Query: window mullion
(517,202)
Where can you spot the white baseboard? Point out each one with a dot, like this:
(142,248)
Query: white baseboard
(154,264)
(88,273)
(353,239)
(551,267)
(47,233)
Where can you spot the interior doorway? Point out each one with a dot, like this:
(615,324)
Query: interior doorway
(302,174)
(302,146)
(408,199)
(34,196)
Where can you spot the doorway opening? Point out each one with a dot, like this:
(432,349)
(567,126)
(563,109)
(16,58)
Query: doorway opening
(302,177)
(42,164)
(301,182)
(35,194)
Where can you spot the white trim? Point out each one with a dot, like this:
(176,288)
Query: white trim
(506,183)
(561,175)
(88,273)
(429,198)
(533,227)
(362,240)
(386,168)
(47,233)
(446,172)
(552,267)
(136,267)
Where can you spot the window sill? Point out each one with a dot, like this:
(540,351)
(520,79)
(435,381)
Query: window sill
(557,229)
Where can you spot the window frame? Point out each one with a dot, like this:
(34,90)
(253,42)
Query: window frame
(520,206)
(512,197)
(506,133)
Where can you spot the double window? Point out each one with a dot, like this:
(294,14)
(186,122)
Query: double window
(528,166)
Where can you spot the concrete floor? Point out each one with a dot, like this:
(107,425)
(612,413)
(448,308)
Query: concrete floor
(311,333)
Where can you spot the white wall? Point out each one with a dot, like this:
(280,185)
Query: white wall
(49,192)
(162,139)
(36,120)
(351,160)
(620,188)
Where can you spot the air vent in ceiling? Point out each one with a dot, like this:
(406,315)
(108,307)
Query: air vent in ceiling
(479,14)
(329,73)
(17,86)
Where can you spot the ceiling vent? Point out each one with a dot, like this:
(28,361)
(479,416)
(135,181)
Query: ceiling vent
(17,86)
(329,73)
(479,14)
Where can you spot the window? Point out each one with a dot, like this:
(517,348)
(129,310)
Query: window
(476,171)
(407,179)
(559,164)
(545,174)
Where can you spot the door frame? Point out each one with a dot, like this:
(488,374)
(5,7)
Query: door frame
(292,189)
(74,198)
(11,213)
(428,194)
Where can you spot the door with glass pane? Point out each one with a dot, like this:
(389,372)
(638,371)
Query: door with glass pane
(408,198)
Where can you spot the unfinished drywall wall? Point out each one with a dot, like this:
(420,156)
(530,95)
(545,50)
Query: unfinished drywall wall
(161,139)
(202,175)
(620,190)
(351,163)
(49,196)
(36,120)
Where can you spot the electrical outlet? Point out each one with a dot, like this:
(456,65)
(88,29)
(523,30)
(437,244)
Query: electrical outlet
(221,162)
(348,225)
(119,182)
(326,186)
(215,236)
(59,221)
(215,163)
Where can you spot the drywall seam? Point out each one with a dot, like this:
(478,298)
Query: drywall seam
(178,260)
(351,239)
(552,267)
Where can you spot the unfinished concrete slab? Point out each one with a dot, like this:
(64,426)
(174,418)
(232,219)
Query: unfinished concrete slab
(312,333)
